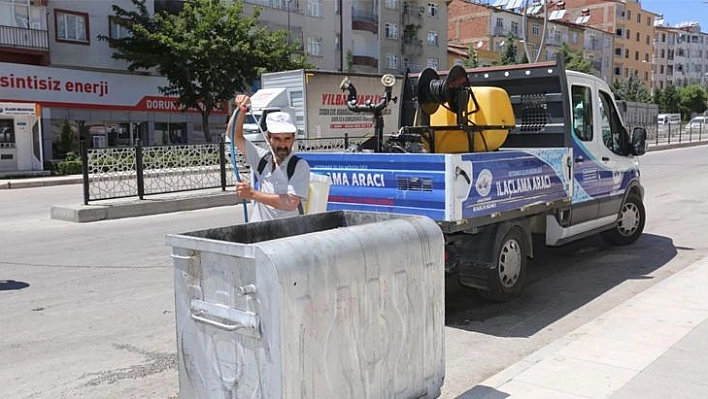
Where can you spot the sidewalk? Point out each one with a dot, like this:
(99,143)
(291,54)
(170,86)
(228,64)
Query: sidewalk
(654,345)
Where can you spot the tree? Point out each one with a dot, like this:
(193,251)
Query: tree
(509,51)
(631,89)
(207,52)
(66,138)
(472,60)
(574,61)
(668,100)
(692,100)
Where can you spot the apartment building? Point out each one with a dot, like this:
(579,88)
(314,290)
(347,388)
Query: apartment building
(486,27)
(691,55)
(50,56)
(633,29)
(663,62)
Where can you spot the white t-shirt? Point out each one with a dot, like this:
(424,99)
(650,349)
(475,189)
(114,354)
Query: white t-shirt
(276,182)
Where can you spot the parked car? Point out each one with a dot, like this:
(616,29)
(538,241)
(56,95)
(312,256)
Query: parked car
(699,122)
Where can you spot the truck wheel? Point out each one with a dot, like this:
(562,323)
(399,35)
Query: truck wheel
(506,280)
(630,223)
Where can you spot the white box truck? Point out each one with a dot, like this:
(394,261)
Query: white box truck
(320,107)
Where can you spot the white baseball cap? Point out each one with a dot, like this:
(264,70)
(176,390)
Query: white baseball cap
(280,122)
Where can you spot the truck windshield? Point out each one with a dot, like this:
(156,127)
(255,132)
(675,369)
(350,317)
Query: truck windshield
(249,118)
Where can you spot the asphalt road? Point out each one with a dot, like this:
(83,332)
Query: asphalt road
(89,308)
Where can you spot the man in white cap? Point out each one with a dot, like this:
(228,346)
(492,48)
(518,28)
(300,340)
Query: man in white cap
(284,180)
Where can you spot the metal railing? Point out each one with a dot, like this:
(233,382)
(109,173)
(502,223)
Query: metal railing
(12,36)
(121,172)
(676,134)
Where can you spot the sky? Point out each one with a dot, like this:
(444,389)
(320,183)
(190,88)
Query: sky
(677,11)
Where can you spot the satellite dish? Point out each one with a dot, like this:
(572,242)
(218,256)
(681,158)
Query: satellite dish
(480,44)
(432,91)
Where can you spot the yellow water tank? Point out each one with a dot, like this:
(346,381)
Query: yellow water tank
(494,110)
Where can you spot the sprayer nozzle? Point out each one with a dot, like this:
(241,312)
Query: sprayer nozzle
(345,84)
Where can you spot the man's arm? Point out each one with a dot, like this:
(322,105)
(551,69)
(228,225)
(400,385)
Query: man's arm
(236,122)
(283,202)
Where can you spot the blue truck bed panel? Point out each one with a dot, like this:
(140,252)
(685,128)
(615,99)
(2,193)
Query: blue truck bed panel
(444,187)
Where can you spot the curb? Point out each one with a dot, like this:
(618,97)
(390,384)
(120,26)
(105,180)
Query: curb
(39,182)
(94,213)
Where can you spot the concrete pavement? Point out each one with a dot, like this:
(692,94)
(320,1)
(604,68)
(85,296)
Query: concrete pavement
(653,346)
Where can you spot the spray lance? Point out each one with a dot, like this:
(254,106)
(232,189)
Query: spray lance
(237,175)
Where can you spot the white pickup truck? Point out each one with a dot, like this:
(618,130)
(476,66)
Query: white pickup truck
(536,149)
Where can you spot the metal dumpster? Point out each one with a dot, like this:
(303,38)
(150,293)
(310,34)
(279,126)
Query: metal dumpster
(330,305)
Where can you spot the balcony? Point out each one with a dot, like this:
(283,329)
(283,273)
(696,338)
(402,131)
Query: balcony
(24,38)
(365,20)
(24,45)
(365,60)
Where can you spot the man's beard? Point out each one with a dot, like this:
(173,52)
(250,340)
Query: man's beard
(282,152)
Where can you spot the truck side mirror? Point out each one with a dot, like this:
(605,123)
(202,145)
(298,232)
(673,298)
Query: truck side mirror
(639,141)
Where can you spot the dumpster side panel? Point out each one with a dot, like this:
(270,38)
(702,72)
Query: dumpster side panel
(215,360)
(364,311)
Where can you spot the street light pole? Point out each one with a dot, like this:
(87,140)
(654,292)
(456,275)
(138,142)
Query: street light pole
(288,7)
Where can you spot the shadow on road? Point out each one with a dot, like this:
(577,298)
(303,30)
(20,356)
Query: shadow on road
(559,281)
(10,285)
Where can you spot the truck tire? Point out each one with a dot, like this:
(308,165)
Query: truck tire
(630,223)
(507,278)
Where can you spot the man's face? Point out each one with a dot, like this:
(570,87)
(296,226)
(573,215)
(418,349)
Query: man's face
(282,144)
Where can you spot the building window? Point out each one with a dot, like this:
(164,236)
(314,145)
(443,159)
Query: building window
(314,45)
(16,15)
(433,38)
(391,31)
(648,39)
(433,10)
(639,18)
(638,35)
(646,57)
(575,37)
(629,14)
(515,28)
(314,8)
(626,53)
(618,51)
(536,29)
(338,41)
(392,4)
(636,55)
(391,61)
(617,71)
(116,30)
(433,63)
(629,33)
(71,26)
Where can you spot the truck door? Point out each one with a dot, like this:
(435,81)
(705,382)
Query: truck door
(585,170)
(616,165)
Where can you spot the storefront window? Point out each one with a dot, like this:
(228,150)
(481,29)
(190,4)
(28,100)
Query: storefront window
(7,133)
(170,133)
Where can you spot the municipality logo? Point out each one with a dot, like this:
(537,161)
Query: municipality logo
(484,183)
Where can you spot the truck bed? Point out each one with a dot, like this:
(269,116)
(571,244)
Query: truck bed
(476,188)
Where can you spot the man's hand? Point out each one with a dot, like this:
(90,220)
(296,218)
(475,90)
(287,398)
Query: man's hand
(242,100)
(244,190)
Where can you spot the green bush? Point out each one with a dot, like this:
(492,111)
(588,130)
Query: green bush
(71,165)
